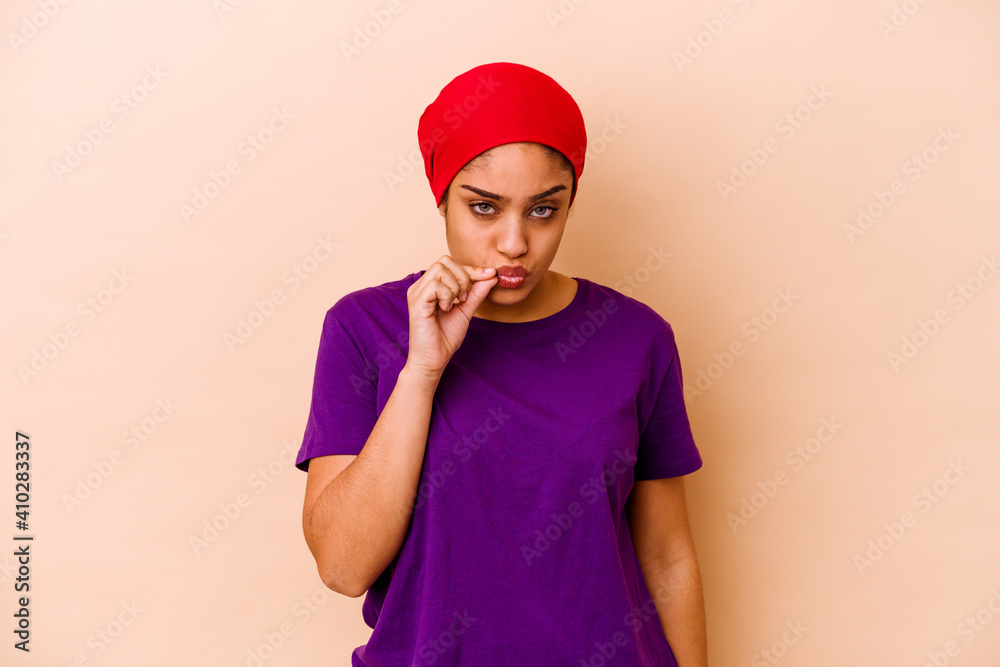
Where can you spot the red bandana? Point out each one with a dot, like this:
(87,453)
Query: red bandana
(496,104)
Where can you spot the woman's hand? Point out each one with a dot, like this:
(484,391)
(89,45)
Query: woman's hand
(441,304)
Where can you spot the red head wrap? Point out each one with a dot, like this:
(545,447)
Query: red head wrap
(496,104)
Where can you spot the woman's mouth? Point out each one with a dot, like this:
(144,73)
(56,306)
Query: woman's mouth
(511,282)
(511,277)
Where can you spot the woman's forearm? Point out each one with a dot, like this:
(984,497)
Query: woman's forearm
(359,522)
(677,592)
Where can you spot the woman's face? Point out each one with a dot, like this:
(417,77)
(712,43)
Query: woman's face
(509,210)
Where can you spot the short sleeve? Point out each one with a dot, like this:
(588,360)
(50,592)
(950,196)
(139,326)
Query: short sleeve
(666,444)
(342,412)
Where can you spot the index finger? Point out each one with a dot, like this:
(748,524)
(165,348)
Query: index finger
(479,272)
(466,274)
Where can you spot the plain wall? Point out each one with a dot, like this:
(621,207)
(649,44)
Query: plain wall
(849,432)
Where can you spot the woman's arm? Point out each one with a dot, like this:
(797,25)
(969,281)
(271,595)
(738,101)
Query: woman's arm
(658,521)
(355,521)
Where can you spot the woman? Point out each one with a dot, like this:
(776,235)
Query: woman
(496,451)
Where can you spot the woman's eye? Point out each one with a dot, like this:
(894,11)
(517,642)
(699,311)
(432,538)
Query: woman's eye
(483,209)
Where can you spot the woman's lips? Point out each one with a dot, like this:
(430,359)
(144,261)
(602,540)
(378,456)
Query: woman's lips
(511,282)
(511,277)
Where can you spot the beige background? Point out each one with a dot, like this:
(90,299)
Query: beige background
(173,91)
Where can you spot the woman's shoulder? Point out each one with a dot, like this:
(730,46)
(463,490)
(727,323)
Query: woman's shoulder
(379,301)
(628,311)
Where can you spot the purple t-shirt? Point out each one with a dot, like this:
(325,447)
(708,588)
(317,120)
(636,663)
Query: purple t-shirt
(519,550)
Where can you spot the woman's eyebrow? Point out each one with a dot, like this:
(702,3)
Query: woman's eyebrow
(503,199)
